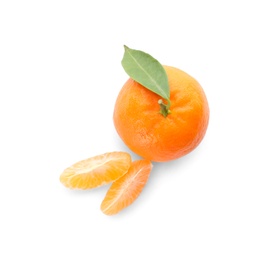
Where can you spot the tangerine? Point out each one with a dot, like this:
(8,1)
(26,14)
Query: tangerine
(153,131)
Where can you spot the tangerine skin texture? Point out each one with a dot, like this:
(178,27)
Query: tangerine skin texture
(151,135)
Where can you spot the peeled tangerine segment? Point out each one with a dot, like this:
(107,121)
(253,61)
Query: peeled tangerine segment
(96,171)
(126,189)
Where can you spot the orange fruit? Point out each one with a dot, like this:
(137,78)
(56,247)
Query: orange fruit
(96,171)
(156,137)
(126,189)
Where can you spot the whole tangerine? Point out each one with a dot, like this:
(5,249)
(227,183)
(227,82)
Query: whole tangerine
(149,129)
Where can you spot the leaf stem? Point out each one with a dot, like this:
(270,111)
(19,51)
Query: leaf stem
(164,108)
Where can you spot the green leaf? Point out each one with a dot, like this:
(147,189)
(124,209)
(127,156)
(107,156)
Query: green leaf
(147,71)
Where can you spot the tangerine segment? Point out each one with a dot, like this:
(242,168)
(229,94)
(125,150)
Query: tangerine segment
(96,171)
(126,189)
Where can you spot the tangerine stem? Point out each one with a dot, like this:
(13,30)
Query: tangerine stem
(164,109)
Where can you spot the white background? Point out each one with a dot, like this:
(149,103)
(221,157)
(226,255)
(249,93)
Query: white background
(60,74)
